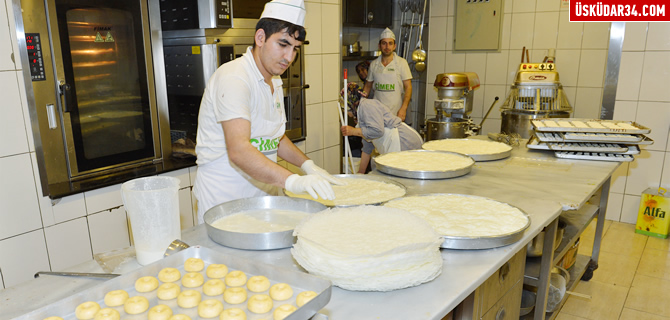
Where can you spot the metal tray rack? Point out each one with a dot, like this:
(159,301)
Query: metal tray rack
(425,175)
(588,125)
(298,281)
(626,139)
(617,157)
(481,242)
(534,143)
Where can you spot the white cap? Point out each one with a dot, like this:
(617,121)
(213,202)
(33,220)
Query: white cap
(388,34)
(292,11)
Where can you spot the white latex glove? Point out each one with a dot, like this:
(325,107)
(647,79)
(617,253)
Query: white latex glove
(314,185)
(310,168)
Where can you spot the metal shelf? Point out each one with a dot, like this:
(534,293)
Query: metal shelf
(576,222)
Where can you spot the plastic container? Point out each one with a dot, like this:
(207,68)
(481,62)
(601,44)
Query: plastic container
(152,205)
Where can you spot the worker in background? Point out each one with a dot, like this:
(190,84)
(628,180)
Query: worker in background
(379,128)
(390,77)
(242,121)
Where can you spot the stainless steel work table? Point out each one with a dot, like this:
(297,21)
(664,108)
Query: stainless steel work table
(534,181)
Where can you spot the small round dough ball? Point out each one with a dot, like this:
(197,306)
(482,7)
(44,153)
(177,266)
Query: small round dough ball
(233,314)
(169,275)
(192,280)
(258,284)
(210,308)
(180,317)
(86,310)
(283,311)
(236,278)
(194,265)
(160,312)
(281,292)
(217,271)
(53,318)
(146,284)
(168,291)
(136,305)
(107,314)
(189,299)
(259,303)
(213,287)
(116,298)
(235,295)
(304,297)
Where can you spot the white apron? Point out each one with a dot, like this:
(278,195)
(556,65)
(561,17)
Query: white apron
(388,86)
(224,181)
(389,142)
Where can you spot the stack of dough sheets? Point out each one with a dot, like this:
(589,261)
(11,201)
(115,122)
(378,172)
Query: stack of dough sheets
(464,216)
(368,248)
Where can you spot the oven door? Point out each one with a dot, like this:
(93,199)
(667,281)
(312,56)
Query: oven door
(103,69)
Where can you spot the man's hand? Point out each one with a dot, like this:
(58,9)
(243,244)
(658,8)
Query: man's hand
(315,185)
(350,131)
(310,168)
(402,114)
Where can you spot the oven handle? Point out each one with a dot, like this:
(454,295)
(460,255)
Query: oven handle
(66,92)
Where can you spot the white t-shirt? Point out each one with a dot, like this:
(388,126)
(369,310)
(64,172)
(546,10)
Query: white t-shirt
(236,90)
(387,81)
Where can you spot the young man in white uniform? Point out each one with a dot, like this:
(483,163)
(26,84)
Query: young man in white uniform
(391,77)
(242,122)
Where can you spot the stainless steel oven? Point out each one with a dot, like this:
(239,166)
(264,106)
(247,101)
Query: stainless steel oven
(92,91)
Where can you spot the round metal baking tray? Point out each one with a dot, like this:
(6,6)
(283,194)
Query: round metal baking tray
(426,175)
(256,241)
(330,203)
(480,157)
(480,242)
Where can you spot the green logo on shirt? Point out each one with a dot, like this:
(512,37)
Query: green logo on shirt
(384,86)
(265,144)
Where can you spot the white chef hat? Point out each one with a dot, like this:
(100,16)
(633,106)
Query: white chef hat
(292,11)
(387,34)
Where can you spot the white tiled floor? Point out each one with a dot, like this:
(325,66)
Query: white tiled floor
(632,280)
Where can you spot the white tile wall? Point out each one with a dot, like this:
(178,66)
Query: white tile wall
(314,116)
(567,65)
(438,9)
(655,115)
(545,31)
(313,77)
(330,24)
(103,199)
(476,62)
(592,68)
(68,208)
(496,67)
(19,211)
(635,36)
(523,5)
(6,62)
(331,159)
(665,177)
(313,28)
(655,76)
(630,75)
(522,30)
(332,72)
(11,123)
(182,175)
(187,216)
(657,38)
(109,230)
(619,178)
(69,244)
(587,103)
(629,209)
(569,33)
(614,204)
(22,256)
(645,172)
(331,124)
(596,35)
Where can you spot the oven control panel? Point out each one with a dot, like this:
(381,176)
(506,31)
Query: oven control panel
(35,57)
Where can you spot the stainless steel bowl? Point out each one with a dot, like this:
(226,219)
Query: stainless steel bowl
(256,241)
(527,302)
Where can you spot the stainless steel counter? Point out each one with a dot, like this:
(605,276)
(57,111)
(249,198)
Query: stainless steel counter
(534,181)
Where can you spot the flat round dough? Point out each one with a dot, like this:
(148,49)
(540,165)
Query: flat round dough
(233,314)
(136,305)
(160,312)
(194,265)
(169,275)
(236,278)
(189,299)
(235,295)
(192,280)
(259,303)
(258,283)
(146,284)
(116,298)
(470,147)
(357,191)
(168,291)
(281,292)
(180,317)
(304,297)
(283,311)
(56,318)
(107,314)
(213,287)
(424,161)
(210,308)
(217,271)
(86,310)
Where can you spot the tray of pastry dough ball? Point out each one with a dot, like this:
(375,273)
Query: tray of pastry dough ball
(424,164)
(633,139)
(588,125)
(198,294)
(533,143)
(599,156)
